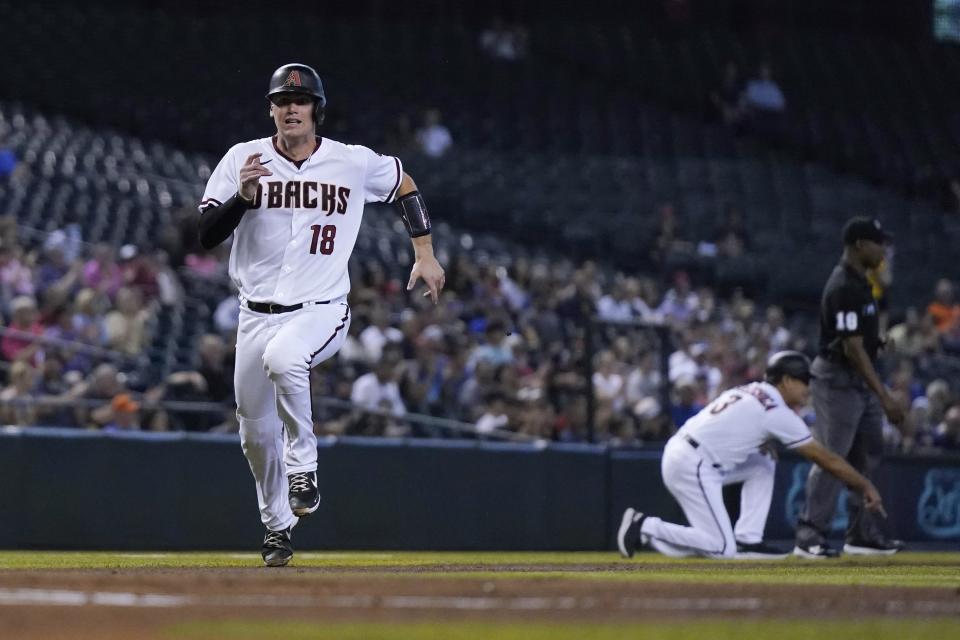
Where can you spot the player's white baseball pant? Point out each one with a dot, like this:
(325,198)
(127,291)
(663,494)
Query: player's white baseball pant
(690,475)
(272,384)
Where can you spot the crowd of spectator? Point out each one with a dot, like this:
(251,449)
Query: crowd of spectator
(506,348)
(75,330)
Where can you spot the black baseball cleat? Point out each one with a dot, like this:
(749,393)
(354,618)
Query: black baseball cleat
(277,548)
(629,536)
(883,547)
(304,494)
(759,551)
(820,551)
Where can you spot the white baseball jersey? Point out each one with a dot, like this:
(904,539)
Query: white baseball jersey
(294,243)
(741,419)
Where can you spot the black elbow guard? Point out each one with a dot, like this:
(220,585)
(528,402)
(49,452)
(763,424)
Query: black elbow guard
(413,212)
(217,223)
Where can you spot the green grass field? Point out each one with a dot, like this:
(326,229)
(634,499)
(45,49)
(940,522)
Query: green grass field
(713,630)
(916,569)
(910,569)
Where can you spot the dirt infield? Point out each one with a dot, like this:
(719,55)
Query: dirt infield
(141,603)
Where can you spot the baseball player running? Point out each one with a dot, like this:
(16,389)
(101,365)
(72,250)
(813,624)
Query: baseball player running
(721,445)
(294,202)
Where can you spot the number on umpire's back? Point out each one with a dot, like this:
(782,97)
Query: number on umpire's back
(846,321)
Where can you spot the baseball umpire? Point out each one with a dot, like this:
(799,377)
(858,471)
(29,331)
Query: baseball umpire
(722,445)
(293,203)
(848,396)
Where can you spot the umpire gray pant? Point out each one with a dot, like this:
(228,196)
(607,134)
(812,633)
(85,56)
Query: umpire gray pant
(849,423)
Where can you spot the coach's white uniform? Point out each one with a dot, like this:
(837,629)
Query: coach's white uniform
(718,446)
(292,247)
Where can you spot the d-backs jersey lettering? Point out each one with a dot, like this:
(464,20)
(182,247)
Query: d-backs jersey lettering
(741,419)
(294,243)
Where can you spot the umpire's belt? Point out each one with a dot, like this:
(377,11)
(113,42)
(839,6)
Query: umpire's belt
(273,307)
(696,445)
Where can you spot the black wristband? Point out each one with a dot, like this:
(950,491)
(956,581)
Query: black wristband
(217,223)
(413,212)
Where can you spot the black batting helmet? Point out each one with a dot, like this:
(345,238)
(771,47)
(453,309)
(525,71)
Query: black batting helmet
(299,78)
(788,363)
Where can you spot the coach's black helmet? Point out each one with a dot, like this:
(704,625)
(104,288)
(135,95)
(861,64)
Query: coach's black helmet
(299,78)
(788,363)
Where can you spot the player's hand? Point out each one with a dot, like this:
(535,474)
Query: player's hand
(432,273)
(250,174)
(872,500)
(893,409)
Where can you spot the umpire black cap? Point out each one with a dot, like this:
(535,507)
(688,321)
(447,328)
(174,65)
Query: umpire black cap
(864,228)
(302,79)
(788,363)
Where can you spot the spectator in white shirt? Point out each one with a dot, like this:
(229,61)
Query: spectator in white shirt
(378,391)
(763,92)
(433,137)
(379,334)
(370,389)
(616,306)
(764,104)
(495,417)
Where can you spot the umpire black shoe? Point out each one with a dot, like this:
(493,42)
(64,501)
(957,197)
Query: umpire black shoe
(629,536)
(759,551)
(304,494)
(873,547)
(820,551)
(277,548)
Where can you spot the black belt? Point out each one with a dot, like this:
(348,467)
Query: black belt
(696,445)
(273,307)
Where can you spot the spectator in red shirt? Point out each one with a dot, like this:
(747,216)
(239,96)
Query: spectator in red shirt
(102,273)
(26,320)
(139,271)
(944,308)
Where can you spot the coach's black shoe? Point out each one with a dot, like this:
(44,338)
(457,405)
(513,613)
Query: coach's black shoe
(820,551)
(629,536)
(304,494)
(873,547)
(277,548)
(759,551)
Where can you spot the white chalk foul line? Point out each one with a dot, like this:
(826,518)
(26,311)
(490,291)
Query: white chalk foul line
(69,598)
(693,604)
(72,598)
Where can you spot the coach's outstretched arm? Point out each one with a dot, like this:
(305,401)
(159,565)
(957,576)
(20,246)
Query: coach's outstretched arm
(413,212)
(834,464)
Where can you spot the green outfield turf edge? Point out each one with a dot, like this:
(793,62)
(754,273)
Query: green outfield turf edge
(916,569)
(934,629)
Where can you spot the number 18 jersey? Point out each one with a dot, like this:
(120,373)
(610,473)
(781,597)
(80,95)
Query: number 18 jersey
(295,241)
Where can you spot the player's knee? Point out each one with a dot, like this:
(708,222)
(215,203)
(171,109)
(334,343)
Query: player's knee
(257,435)
(281,365)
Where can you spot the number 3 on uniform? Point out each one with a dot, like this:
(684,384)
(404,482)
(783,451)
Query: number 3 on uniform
(846,321)
(325,235)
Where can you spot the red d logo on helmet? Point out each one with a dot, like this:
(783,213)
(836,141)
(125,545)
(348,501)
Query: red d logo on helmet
(293,79)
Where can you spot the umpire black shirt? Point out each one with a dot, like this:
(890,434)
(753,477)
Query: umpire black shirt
(848,309)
